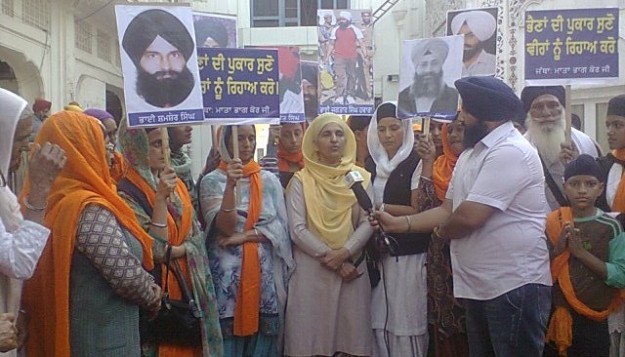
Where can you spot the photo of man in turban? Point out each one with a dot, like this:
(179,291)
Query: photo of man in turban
(428,92)
(160,47)
(215,31)
(479,28)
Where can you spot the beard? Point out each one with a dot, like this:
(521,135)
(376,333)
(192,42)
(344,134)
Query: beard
(343,24)
(470,52)
(547,138)
(165,89)
(426,85)
(474,133)
(311,105)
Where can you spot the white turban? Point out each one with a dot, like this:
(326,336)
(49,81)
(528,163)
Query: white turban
(481,23)
(323,14)
(346,15)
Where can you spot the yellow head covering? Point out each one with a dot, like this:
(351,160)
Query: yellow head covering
(328,200)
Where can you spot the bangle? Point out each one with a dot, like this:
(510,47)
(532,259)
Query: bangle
(158,225)
(408,221)
(227,209)
(256,232)
(33,208)
(426,178)
(382,207)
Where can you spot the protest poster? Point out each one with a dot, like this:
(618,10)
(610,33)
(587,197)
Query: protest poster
(479,27)
(310,80)
(345,40)
(159,65)
(240,86)
(571,46)
(428,69)
(215,31)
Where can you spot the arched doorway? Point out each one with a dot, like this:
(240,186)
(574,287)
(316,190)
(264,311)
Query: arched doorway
(8,80)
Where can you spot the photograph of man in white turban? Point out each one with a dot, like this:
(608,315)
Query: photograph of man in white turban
(479,28)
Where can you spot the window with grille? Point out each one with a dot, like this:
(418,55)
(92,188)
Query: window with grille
(7,7)
(104,46)
(37,13)
(82,36)
(278,13)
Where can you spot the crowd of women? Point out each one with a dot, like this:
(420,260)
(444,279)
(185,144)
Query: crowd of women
(259,264)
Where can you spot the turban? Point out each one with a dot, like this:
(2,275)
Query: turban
(481,23)
(41,104)
(385,110)
(99,114)
(146,26)
(346,15)
(583,165)
(73,107)
(530,93)
(439,48)
(213,29)
(358,122)
(616,106)
(488,98)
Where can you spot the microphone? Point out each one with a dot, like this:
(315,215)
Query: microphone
(354,180)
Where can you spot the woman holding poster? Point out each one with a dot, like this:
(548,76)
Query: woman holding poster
(162,205)
(249,247)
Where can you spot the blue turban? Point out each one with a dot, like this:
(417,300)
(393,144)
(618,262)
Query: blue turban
(583,165)
(488,98)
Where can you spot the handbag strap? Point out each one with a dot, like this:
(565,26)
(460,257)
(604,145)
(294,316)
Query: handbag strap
(167,267)
(553,186)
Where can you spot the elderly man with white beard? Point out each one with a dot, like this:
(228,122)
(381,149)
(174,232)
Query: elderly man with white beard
(546,127)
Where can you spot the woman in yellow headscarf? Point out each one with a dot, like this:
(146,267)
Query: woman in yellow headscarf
(328,310)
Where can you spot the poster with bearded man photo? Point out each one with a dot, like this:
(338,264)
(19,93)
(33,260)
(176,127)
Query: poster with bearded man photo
(479,27)
(429,67)
(159,65)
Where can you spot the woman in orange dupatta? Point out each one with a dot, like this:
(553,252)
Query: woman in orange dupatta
(445,315)
(151,185)
(248,246)
(290,155)
(77,302)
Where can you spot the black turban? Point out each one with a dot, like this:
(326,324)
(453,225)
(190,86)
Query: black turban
(488,98)
(385,110)
(583,165)
(358,122)
(530,93)
(144,28)
(213,29)
(616,106)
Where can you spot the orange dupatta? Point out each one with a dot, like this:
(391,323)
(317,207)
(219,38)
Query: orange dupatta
(84,180)
(285,158)
(560,328)
(443,166)
(247,309)
(619,199)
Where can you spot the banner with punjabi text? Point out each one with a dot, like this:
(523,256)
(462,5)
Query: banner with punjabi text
(571,46)
(239,86)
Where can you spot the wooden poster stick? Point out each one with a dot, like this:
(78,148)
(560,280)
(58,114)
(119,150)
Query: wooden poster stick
(235,155)
(165,144)
(569,112)
(425,127)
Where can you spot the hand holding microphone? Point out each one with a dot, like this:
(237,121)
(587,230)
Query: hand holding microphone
(354,180)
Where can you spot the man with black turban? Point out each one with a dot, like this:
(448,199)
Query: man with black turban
(428,92)
(160,46)
(210,33)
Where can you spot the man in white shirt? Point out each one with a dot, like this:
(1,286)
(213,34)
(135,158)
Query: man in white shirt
(494,216)
(546,125)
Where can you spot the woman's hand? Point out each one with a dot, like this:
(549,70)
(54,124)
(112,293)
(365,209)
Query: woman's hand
(426,150)
(154,306)
(44,165)
(234,172)
(166,183)
(8,333)
(237,238)
(334,258)
(348,272)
